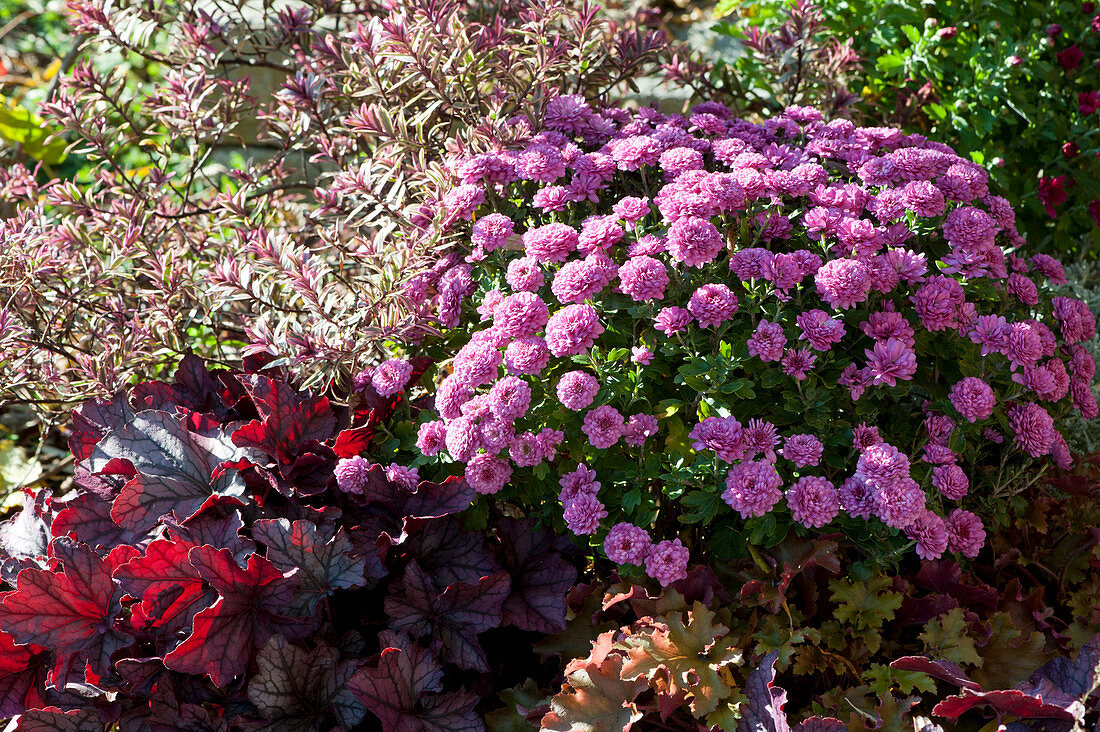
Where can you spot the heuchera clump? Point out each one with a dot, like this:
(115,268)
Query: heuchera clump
(214,570)
(702,320)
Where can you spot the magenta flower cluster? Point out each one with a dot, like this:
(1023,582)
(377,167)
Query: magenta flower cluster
(848,263)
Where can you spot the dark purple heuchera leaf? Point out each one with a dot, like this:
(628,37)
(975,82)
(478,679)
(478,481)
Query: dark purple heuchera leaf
(217,526)
(249,609)
(87,518)
(94,419)
(175,707)
(763,711)
(195,389)
(71,612)
(1080,677)
(322,557)
(295,689)
(177,470)
(454,618)
(448,554)
(168,586)
(540,578)
(942,670)
(22,674)
(403,692)
(52,719)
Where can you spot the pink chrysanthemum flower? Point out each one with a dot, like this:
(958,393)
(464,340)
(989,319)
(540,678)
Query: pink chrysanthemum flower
(524,275)
(550,243)
(573,330)
(487,473)
(641,355)
(527,356)
(843,283)
(581,481)
(821,330)
(891,360)
(856,498)
(759,438)
(1033,428)
(951,481)
(667,562)
(752,488)
(930,533)
(583,514)
(627,544)
(802,450)
(352,474)
(720,434)
(965,533)
(882,465)
(604,426)
(767,341)
(390,376)
(643,278)
(639,428)
(797,362)
(576,389)
(509,398)
(491,232)
(694,241)
(973,398)
(402,476)
(672,320)
(863,436)
(937,302)
(712,305)
(813,501)
(521,314)
(431,437)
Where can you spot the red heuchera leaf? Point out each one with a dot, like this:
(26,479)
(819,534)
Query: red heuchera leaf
(454,618)
(168,586)
(764,710)
(353,441)
(295,688)
(177,470)
(540,578)
(52,719)
(290,423)
(403,692)
(322,556)
(1032,704)
(71,612)
(22,672)
(942,670)
(448,554)
(248,611)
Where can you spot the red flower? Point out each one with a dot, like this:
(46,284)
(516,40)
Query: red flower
(1052,193)
(1071,57)
(1070,150)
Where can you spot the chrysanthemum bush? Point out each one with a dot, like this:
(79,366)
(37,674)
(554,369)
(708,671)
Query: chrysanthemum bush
(689,334)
